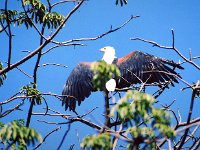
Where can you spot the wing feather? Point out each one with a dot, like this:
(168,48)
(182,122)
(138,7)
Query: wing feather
(147,68)
(78,86)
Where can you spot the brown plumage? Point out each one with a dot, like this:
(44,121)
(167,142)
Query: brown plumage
(135,68)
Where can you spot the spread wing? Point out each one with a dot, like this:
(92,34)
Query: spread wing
(138,67)
(78,86)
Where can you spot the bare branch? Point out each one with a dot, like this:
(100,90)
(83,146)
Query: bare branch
(185,123)
(54,115)
(71,120)
(25,96)
(12,109)
(44,139)
(152,42)
(193,132)
(88,112)
(44,43)
(99,36)
(26,74)
(52,64)
(188,119)
(197,145)
(64,136)
(59,45)
(195,57)
(12,98)
(63,1)
(170,48)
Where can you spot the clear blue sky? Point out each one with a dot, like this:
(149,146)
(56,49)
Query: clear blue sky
(92,19)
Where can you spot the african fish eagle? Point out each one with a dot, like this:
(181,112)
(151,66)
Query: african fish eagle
(136,67)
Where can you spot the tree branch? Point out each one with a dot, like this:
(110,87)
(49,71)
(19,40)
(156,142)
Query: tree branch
(99,36)
(44,139)
(107,109)
(9,34)
(43,44)
(188,120)
(169,47)
(63,139)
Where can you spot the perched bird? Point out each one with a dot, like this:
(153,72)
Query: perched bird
(136,67)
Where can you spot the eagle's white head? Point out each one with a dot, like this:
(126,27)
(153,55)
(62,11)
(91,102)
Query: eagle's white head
(109,54)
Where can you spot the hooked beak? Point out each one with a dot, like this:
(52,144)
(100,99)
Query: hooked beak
(102,50)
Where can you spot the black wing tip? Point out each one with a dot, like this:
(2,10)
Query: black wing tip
(78,86)
(69,103)
(173,64)
(180,67)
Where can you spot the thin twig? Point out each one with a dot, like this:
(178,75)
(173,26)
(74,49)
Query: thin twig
(63,1)
(59,45)
(26,74)
(169,47)
(54,115)
(64,136)
(12,109)
(89,112)
(9,34)
(44,139)
(193,132)
(52,64)
(72,120)
(99,36)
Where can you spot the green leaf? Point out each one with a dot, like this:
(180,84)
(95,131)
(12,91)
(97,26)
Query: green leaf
(14,133)
(99,141)
(26,24)
(18,134)
(3,76)
(144,122)
(32,93)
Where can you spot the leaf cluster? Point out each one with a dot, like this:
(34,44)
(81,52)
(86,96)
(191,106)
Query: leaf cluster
(32,93)
(102,73)
(134,105)
(7,14)
(96,142)
(3,76)
(35,12)
(19,135)
(142,123)
(147,123)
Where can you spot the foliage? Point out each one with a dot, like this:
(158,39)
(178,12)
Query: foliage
(18,136)
(3,76)
(102,73)
(32,93)
(141,120)
(96,142)
(140,106)
(146,122)
(34,11)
